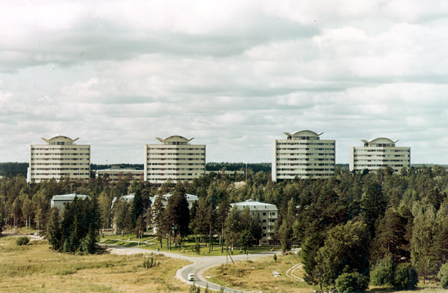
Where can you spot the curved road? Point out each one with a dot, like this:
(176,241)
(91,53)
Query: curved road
(198,266)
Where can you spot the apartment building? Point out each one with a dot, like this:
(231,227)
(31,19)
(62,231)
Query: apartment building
(379,153)
(174,158)
(59,157)
(268,215)
(302,154)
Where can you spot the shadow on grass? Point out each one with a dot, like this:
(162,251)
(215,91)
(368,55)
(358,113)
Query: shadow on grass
(391,289)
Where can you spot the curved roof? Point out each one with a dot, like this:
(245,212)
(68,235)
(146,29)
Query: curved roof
(174,137)
(304,133)
(60,137)
(379,140)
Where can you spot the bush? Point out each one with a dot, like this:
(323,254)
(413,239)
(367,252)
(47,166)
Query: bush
(405,277)
(351,282)
(443,276)
(22,240)
(382,273)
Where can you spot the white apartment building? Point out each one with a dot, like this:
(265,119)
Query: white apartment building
(115,173)
(59,157)
(174,158)
(268,215)
(302,154)
(379,153)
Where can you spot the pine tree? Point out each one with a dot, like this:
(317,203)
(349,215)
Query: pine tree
(54,233)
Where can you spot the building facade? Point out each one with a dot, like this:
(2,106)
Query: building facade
(58,201)
(59,157)
(174,158)
(379,153)
(116,173)
(268,215)
(303,154)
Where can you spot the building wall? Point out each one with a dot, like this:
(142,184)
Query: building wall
(373,158)
(59,157)
(303,155)
(268,215)
(115,174)
(174,158)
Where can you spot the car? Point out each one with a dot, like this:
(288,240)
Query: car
(190,277)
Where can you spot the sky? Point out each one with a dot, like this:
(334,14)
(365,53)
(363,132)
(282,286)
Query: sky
(235,75)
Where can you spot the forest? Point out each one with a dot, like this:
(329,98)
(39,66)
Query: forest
(376,227)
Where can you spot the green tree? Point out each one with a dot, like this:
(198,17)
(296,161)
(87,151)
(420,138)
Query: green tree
(309,252)
(383,272)
(222,212)
(285,235)
(373,206)
(405,277)
(256,227)
(344,251)
(139,227)
(391,237)
(423,251)
(158,212)
(443,276)
(351,283)
(54,233)
(232,227)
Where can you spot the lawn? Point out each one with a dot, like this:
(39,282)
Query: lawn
(186,249)
(34,267)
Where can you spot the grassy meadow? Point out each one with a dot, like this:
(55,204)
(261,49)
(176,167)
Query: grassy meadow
(35,268)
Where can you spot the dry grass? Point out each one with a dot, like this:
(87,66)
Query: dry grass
(35,268)
(256,275)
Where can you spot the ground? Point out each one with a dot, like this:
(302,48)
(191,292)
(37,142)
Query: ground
(258,275)
(35,267)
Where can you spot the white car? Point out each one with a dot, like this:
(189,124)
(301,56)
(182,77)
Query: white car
(190,277)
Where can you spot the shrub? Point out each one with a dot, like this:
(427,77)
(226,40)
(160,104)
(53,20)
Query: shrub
(148,262)
(351,282)
(22,240)
(382,273)
(405,277)
(443,276)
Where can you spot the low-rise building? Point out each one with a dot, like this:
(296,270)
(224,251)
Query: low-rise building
(268,215)
(116,173)
(58,201)
(379,153)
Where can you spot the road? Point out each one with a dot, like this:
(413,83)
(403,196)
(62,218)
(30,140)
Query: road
(198,266)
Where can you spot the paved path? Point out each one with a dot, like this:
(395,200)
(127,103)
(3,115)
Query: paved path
(290,272)
(198,266)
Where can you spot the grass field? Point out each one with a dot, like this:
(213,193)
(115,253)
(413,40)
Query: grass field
(35,268)
(257,275)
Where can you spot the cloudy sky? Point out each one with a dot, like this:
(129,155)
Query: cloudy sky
(234,75)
